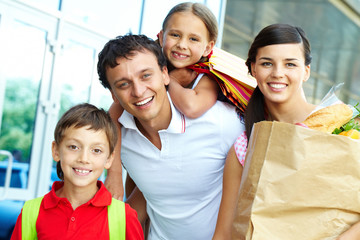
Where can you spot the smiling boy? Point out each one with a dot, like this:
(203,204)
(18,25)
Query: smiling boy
(80,207)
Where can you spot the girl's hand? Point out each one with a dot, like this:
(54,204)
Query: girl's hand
(183,76)
(352,233)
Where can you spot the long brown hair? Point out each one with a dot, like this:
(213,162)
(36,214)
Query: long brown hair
(270,35)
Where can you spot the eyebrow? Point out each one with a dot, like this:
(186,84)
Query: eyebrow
(287,59)
(194,34)
(179,31)
(79,140)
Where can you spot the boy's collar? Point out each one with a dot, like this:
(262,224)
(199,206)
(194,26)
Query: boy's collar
(102,197)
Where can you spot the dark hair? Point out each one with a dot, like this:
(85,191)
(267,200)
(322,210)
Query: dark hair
(199,10)
(270,35)
(125,47)
(82,115)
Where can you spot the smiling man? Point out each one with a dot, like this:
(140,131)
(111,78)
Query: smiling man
(177,163)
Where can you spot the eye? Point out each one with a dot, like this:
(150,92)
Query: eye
(194,39)
(122,84)
(291,64)
(266,64)
(73,147)
(97,150)
(174,35)
(146,76)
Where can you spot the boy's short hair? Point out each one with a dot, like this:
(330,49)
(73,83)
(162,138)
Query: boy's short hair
(124,47)
(82,115)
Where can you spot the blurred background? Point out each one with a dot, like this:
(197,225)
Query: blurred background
(48,56)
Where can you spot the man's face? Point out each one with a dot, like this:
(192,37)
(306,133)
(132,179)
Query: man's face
(138,84)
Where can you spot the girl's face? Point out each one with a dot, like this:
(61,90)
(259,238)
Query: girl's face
(185,40)
(280,71)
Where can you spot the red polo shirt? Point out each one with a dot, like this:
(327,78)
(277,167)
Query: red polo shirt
(58,220)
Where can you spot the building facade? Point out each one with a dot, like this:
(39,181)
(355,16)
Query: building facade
(49,48)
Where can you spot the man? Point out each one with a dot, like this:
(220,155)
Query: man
(176,162)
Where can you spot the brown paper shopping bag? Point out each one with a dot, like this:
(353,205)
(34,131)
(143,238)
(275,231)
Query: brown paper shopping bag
(298,183)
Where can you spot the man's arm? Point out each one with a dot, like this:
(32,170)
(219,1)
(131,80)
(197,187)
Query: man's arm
(113,181)
(137,201)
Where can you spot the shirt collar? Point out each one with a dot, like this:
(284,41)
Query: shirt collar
(177,123)
(102,197)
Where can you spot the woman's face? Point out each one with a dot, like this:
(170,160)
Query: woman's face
(280,71)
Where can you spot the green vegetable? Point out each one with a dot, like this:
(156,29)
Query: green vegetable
(352,124)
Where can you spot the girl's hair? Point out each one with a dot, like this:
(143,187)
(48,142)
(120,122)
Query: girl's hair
(270,35)
(85,115)
(199,10)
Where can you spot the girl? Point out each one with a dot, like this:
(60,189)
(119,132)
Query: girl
(279,59)
(188,35)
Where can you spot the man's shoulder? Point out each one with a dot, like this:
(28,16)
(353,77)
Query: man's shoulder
(221,113)
(224,108)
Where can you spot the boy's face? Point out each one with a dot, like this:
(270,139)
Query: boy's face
(84,153)
(138,84)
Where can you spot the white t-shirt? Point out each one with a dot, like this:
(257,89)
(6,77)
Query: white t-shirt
(182,182)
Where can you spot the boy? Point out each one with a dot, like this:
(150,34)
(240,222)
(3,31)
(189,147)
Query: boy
(78,206)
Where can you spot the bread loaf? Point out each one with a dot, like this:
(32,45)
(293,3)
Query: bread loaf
(329,118)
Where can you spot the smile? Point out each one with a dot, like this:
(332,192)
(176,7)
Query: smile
(277,85)
(143,102)
(82,171)
(179,55)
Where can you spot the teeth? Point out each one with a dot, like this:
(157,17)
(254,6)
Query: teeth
(82,171)
(143,102)
(277,85)
(180,55)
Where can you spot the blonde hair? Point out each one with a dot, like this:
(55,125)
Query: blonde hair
(199,10)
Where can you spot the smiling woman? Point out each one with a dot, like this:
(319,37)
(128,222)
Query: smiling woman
(279,59)
(280,72)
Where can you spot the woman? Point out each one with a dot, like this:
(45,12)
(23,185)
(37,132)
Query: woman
(279,59)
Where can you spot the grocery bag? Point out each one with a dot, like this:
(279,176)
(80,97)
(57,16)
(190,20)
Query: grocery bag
(297,183)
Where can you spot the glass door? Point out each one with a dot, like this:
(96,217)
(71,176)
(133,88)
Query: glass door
(47,64)
(25,74)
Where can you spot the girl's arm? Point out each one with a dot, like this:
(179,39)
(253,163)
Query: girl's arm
(231,184)
(113,181)
(352,233)
(193,102)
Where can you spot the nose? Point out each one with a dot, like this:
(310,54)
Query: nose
(182,43)
(278,71)
(84,157)
(138,89)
